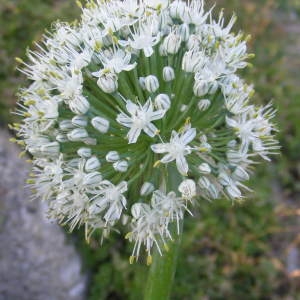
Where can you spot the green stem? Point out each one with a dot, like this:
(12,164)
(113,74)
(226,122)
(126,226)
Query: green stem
(163,268)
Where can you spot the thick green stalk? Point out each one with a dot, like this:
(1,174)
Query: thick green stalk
(163,268)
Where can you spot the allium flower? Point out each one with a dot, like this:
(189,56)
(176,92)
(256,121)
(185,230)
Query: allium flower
(135,93)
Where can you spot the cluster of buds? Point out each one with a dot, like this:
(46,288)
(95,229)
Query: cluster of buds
(135,93)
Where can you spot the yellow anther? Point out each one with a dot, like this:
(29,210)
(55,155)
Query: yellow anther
(131,259)
(149,260)
(27,115)
(79,4)
(156,164)
(128,235)
(19,60)
(166,247)
(157,132)
(187,121)
(22,154)
(30,181)
(29,102)
(13,140)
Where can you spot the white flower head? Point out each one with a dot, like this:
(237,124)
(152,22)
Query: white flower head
(138,107)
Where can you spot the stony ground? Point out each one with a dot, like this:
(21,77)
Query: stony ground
(36,261)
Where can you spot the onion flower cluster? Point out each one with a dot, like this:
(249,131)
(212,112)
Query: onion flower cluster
(131,94)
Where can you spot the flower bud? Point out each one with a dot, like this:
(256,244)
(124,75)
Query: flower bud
(77,134)
(108,82)
(151,83)
(204,104)
(50,148)
(171,43)
(240,174)
(79,121)
(184,31)
(204,182)
(84,152)
(121,166)
(146,189)
(66,125)
(100,124)
(204,168)
(112,156)
(200,88)
(168,74)
(177,9)
(79,105)
(233,191)
(162,101)
(142,83)
(61,138)
(187,188)
(92,164)
(93,178)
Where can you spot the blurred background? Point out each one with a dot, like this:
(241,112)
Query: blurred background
(246,251)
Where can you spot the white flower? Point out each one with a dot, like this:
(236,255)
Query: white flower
(111,199)
(144,38)
(188,189)
(177,149)
(121,166)
(112,156)
(140,119)
(107,81)
(168,74)
(204,104)
(147,188)
(204,168)
(101,124)
(116,61)
(171,43)
(92,164)
(162,101)
(151,83)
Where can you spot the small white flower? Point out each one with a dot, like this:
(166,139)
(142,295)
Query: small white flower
(204,168)
(171,43)
(115,61)
(151,83)
(77,134)
(101,124)
(50,149)
(107,81)
(112,156)
(92,164)
(80,121)
(111,199)
(140,120)
(168,74)
(146,189)
(84,152)
(121,166)
(187,188)
(204,104)
(177,149)
(162,101)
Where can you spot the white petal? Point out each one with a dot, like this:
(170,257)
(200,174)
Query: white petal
(156,115)
(148,51)
(188,136)
(131,107)
(182,164)
(133,134)
(159,148)
(150,130)
(167,158)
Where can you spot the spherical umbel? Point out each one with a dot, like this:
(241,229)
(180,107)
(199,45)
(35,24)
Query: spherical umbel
(135,91)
